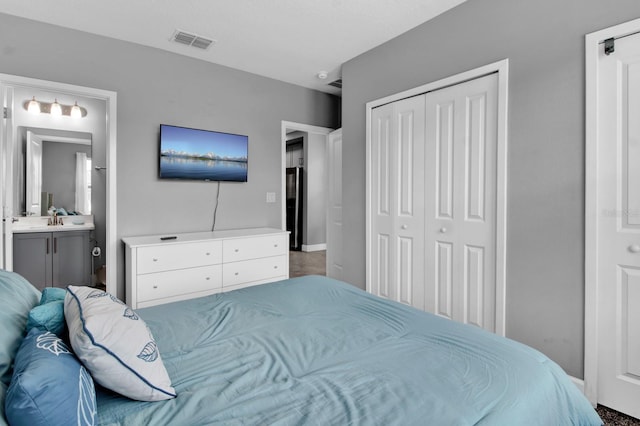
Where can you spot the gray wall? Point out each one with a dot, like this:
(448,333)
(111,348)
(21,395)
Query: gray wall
(156,87)
(544,41)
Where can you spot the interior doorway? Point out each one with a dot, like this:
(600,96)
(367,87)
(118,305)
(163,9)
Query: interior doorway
(304,195)
(13,101)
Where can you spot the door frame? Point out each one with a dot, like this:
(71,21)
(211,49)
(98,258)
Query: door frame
(592,117)
(502,69)
(110,98)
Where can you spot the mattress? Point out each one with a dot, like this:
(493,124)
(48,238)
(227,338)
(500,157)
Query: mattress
(313,350)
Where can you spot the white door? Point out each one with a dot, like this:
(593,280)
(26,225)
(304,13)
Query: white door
(396,246)
(618,226)
(34,174)
(334,204)
(461,164)
(6,178)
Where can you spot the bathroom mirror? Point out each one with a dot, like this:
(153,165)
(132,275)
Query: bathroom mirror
(57,171)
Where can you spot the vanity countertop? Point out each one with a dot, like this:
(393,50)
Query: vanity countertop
(39,224)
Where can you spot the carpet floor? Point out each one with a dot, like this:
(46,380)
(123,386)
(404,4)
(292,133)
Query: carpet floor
(614,418)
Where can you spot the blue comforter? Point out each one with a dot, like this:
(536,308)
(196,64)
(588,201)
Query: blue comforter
(316,351)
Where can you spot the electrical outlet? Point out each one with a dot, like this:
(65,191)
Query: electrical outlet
(271,197)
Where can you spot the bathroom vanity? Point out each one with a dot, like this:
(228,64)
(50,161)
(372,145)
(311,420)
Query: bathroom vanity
(53,255)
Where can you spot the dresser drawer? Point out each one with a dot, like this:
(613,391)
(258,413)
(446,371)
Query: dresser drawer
(255,270)
(253,247)
(178,256)
(173,283)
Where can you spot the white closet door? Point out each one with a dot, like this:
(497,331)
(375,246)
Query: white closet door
(618,230)
(460,242)
(397,201)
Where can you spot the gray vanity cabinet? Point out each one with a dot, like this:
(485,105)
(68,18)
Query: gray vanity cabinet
(53,259)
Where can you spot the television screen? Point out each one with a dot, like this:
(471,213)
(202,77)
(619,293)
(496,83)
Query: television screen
(202,154)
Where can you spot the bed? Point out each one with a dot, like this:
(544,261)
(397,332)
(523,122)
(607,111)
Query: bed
(313,350)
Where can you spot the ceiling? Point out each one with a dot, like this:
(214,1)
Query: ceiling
(288,40)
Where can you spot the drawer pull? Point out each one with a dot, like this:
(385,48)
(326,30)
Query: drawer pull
(275,267)
(237,250)
(207,278)
(155,286)
(275,245)
(208,254)
(155,259)
(237,273)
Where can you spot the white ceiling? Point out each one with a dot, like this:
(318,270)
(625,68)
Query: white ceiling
(288,40)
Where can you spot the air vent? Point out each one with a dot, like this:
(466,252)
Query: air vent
(336,83)
(191,39)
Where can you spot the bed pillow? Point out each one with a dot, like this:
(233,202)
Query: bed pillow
(51,294)
(49,385)
(115,345)
(48,317)
(17,298)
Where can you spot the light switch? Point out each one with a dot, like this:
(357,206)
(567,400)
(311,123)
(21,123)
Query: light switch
(271,197)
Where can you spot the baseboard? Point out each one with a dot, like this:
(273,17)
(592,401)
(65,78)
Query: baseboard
(314,247)
(578,382)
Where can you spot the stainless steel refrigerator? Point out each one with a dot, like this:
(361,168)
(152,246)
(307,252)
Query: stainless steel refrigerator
(294,207)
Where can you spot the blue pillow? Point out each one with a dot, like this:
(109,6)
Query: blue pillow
(49,385)
(48,317)
(51,294)
(17,298)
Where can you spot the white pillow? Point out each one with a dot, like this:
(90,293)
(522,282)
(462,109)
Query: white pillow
(115,345)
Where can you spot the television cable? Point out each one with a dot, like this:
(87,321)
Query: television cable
(215,210)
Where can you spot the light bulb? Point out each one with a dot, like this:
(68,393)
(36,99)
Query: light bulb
(34,106)
(56,109)
(75,111)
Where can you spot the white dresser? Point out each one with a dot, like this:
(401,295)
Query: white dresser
(162,269)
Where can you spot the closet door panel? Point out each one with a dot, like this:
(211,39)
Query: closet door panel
(382,220)
(444,165)
(410,119)
(397,229)
(461,138)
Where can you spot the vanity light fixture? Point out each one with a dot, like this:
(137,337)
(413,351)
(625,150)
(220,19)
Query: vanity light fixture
(56,109)
(75,111)
(34,106)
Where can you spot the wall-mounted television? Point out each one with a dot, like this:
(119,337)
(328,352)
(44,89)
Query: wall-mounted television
(195,154)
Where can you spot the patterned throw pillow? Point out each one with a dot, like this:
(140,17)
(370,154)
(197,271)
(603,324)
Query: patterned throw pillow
(115,345)
(49,385)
